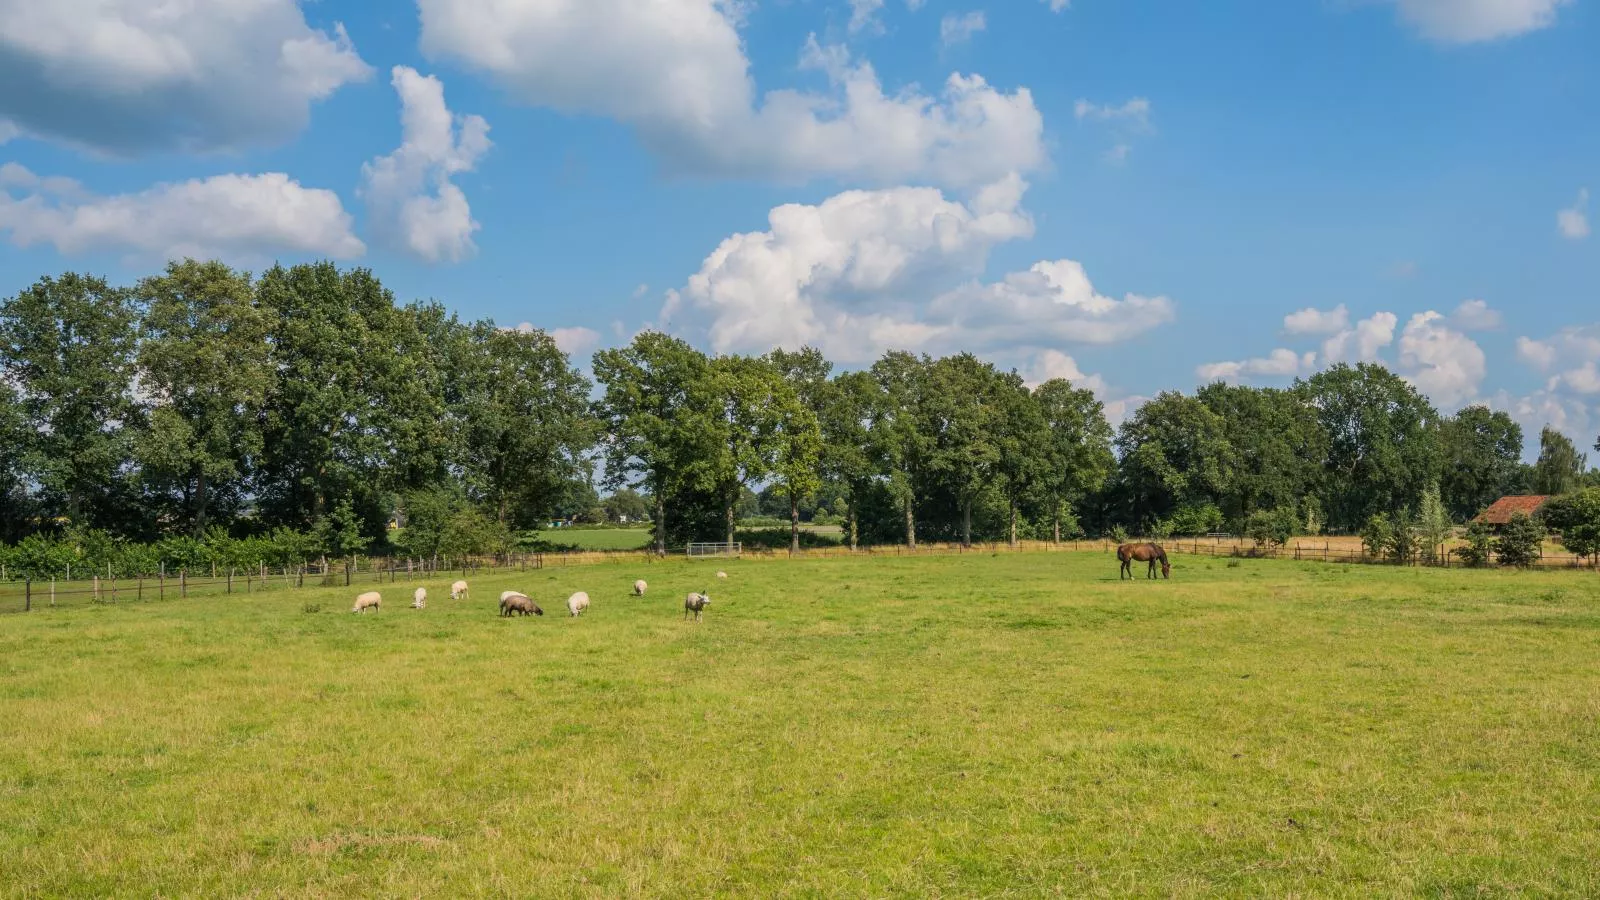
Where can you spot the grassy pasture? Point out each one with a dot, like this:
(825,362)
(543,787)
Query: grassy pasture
(1013,725)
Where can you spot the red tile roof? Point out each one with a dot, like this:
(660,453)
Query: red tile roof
(1501,511)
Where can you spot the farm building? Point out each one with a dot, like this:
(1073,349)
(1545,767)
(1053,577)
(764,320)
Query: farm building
(1500,512)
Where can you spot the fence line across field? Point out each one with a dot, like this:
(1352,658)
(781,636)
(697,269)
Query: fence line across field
(21,595)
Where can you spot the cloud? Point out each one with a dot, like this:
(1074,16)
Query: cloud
(575,341)
(411,202)
(1052,302)
(128,77)
(1537,354)
(1475,315)
(848,274)
(1280,363)
(1472,21)
(1361,343)
(676,71)
(1135,111)
(1314,321)
(235,217)
(1442,362)
(1126,121)
(1566,414)
(863,15)
(1052,364)
(1058,5)
(1573,222)
(954,29)
(1571,346)
(640,291)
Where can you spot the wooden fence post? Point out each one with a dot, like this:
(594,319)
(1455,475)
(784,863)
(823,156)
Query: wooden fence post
(230,581)
(183,582)
(97,588)
(141,588)
(27,596)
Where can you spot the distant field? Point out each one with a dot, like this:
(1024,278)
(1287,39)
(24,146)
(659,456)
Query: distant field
(599,538)
(976,725)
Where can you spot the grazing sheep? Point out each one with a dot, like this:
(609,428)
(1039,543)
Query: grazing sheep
(577,603)
(513,602)
(695,603)
(638,588)
(369,600)
(722,575)
(419,599)
(458,591)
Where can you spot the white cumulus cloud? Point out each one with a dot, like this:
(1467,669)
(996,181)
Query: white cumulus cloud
(1573,222)
(1475,315)
(126,77)
(1280,363)
(1315,321)
(850,274)
(1136,111)
(575,341)
(1362,342)
(676,71)
(1472,21)
(1052,364)
(235,217)
(1442,362)
(411,201)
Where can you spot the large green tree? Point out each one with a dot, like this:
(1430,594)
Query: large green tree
(356,410)
(67,346)
(1174,454)
(1575,517)
(204,361)
(525,420)
(852,452)
(797,462)
(1560,467)
(751,399)
(15,440)
(1022,438)
(1481,452)
(659,413)
(902,381)
(1077,452)
(1276,447)
(960,420)
(1383,446)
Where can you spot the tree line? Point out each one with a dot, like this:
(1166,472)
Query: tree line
(305,410)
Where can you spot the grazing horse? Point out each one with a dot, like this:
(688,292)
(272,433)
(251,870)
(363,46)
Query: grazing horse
(1150,553)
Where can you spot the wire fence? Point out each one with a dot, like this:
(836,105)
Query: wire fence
(23,595)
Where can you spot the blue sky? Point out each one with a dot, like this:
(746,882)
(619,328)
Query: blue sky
(1138,195)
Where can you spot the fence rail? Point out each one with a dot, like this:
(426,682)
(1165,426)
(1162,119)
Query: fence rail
(21,595)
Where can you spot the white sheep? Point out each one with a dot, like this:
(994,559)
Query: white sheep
(577,603)
(458,591)
(419,599)
(370,600)
(722,575)
(638,588)
(695,603)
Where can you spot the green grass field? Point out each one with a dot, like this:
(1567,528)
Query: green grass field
(599,538)
(1014,725)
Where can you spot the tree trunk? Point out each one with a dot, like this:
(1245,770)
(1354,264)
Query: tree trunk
(966,524)
(200,502)
(911,524)
(794,522)
(850,513)
(1013,523)
(661,523)
(731,508)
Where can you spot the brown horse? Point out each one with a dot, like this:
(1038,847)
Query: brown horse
(1150,553)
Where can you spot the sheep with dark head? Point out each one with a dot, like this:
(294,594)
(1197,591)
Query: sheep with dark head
(512,602)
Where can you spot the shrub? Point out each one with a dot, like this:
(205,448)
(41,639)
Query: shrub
(1478,551)
(1575,518)
(1520,543)
(1193,520)
(1118,534)
(1271,527)
(1377,536)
